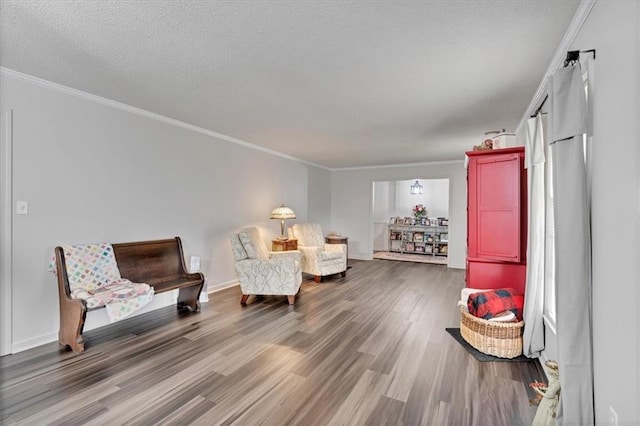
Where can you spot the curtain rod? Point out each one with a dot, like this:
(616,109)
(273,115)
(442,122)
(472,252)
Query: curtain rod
(540,107)
(572,57)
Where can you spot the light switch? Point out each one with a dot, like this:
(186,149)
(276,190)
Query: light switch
(194,265)
(22,207)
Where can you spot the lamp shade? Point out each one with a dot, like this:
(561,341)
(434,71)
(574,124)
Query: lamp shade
(282,212)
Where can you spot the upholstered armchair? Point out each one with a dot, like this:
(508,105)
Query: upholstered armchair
(318,258)
(263,272)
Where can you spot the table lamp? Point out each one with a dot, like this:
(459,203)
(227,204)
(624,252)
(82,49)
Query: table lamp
(282,213)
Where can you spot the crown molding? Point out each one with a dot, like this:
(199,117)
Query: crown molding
(143,113)
(558,58)
(390,166)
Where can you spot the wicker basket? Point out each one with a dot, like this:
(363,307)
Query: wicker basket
(501,339)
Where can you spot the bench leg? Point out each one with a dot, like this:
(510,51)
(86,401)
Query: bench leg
(291,299)
(343,273)
(72,316)
(243,299)
(188,298)
(317,278)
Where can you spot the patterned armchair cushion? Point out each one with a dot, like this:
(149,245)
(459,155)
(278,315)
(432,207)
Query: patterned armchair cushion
(239,253)
(308,234)
(291,254)
(278,276)
(253,244)
(331,254)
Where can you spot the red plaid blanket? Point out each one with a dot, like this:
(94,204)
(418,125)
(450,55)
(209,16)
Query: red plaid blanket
(488,304)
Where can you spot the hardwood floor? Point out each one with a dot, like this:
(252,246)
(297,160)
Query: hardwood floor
(370,348)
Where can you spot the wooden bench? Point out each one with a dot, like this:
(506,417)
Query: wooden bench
(159,263)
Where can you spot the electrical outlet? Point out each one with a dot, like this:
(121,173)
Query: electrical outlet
(613,417)
(194,264)
(22,207)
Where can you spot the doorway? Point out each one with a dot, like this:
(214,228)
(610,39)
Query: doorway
(397,235)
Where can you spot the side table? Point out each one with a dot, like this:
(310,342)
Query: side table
(284,245)
(339,239)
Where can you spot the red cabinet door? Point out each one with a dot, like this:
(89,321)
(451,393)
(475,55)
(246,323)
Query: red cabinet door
(498,207)
(496,219)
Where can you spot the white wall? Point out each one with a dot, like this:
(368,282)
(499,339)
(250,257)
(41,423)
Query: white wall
(384,196)
(352,202)
(435,197)
(384,201)
(612,28)
(93,173)
(319,193)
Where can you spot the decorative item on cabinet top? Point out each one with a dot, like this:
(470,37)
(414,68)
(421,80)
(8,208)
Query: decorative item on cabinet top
(495,139)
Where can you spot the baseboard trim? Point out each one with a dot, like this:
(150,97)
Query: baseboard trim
(222,286)
(364,257)
(358,256)
(542,359)
(33,342)
(45,338)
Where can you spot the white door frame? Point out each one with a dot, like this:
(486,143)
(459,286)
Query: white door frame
(6,203)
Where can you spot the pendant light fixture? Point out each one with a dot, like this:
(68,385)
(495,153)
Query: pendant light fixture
(416,188)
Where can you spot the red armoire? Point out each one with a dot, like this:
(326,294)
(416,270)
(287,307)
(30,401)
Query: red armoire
(496,219)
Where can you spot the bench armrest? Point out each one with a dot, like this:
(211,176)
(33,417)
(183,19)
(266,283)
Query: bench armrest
(194,276)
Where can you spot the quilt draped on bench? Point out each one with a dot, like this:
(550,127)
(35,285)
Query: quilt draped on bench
(94,276)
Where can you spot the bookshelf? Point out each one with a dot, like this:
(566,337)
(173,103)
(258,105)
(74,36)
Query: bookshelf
(420,239)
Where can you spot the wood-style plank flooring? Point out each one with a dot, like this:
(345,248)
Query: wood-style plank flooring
(370,348)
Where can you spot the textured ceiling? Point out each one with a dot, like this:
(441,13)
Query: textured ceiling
(335,83)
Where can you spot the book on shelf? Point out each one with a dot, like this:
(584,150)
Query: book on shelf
(441,249)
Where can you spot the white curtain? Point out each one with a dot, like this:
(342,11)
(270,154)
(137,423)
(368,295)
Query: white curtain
(533,336)
(573,246)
